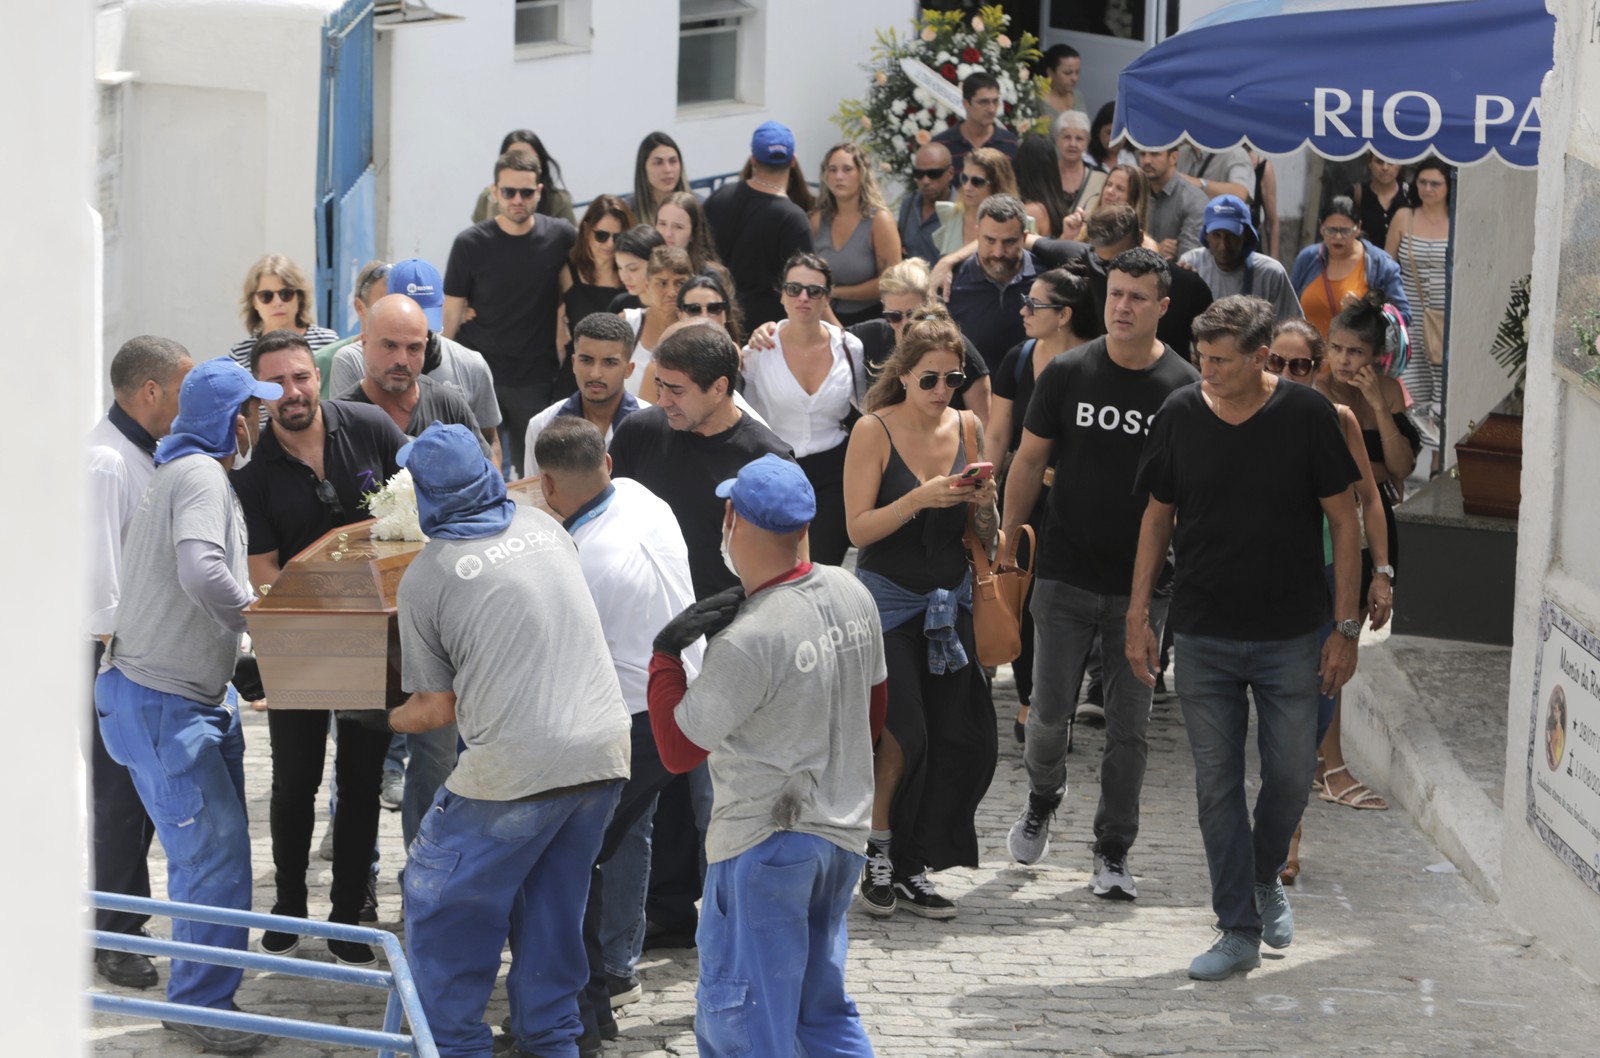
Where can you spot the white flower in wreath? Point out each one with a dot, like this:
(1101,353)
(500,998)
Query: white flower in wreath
(395,507)
(899,143)
(923,97)
(964,71)
(898,107)
(909,126)
(942,58)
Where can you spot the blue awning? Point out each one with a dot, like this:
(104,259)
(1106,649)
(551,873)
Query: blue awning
(1458,79)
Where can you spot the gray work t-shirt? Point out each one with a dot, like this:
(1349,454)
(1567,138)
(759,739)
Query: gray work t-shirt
(163,639)
(1263,275)
(507,623)
(782,703)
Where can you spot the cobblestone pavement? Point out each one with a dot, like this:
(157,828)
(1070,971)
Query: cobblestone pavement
(1389,957)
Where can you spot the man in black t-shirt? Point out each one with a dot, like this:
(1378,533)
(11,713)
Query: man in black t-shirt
(757,228)
(1090,411)
(506,271)
(1247,467)
(681,449)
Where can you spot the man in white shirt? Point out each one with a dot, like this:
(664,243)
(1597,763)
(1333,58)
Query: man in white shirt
(146,375)
(637,567)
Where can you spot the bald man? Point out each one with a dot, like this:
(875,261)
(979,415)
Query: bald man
(932,173)
(394,339)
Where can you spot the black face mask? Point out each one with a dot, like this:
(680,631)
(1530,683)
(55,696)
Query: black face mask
(432,357)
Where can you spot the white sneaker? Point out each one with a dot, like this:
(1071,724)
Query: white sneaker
(1112,878)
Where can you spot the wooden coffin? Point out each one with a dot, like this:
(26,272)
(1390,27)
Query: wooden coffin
(325,633)
(1489,464)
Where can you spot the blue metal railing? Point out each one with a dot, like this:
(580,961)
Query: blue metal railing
(702,186)
(396,981)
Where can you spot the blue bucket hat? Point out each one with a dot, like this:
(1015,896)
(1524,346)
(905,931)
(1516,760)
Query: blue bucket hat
(460,494)
(772,493)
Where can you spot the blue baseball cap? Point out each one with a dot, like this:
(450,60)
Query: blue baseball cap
(772,493)
(211,396)
(1227,213)
(442,458)
(421,282)
(773,144)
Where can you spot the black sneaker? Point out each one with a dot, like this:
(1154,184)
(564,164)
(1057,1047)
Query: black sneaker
(276,942)
(369,903)
(218,1041)
(352,953)
(877,882)
(624,990)
(1161,693)
(921,898)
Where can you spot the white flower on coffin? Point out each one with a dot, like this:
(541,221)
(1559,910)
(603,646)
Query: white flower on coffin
(395,508)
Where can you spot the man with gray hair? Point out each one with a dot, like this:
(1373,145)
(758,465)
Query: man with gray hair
(146,375)
(987,289)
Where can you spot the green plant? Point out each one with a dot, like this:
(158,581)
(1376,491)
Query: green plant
(1510,348)
(897,116)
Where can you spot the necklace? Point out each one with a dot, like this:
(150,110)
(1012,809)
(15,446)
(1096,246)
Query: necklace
(776,189)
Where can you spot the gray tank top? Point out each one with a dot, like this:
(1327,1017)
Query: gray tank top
(851,263)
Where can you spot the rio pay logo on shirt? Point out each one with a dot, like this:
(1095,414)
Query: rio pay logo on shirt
(507,549)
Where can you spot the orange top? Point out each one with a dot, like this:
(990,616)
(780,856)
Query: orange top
(1314,301)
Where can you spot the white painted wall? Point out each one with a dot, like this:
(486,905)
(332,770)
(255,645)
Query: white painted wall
(47,292)
(220,161)
(1556,555)
(455,89)
(1493,249)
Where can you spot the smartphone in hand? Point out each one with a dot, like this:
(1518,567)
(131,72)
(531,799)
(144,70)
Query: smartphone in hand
(976,473)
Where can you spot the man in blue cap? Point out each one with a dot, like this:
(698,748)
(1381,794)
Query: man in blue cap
(499,635)
(161,694)
(1227,259)
(757,228)
(789,701)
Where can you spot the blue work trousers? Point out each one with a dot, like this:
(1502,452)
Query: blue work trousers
(1214,676)
(187,762)
(481,872)
(433,758)
(772,945)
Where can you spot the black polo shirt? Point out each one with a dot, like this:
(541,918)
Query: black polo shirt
(990,315)
(279,493)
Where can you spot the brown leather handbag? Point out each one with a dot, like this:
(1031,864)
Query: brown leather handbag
(999,589)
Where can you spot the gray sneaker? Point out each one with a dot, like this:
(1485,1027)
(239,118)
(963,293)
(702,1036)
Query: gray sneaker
(1277,919)
(1029,839)
(218,1041)
(1112,878)
(1233,951)
(392,790)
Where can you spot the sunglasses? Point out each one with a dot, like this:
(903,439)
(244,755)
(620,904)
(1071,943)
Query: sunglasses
(962,179)
(952,379)
(1035,306)
(710,308)
(894,317)
(326,493)
(602,236)
(1337,232)
(810,290)
(1299,367)
(286,294)
(929,174)
(509,193)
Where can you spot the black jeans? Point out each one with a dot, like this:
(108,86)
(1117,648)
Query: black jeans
(299,743)
(120,828)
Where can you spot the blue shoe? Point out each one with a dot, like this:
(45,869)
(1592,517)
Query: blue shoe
(1232,952)
(1277,919)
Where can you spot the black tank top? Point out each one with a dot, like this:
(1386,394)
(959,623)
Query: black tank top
(929,551)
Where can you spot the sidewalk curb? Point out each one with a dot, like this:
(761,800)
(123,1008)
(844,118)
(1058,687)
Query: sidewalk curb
(1388,729)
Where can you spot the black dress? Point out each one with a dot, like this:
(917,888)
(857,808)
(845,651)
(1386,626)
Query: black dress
(1373,439)
(945,724)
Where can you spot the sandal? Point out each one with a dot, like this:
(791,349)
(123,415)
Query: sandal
(1356,795)
(1291,866)
(1317,785)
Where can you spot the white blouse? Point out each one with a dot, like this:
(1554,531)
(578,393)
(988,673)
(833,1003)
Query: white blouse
(808,422)
(641,356)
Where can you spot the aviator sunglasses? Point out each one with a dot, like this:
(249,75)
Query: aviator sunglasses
(952,379)
(962,179)
(1299,367)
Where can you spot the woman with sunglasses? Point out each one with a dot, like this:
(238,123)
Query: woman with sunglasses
(854,232)
(554,200)
(589,279)
(907,505)
(669,270)
(705,296)
(277,297)
(1339,270)
(984,172)
(1058,314)
(1297,354)
(809,387)
(658,171)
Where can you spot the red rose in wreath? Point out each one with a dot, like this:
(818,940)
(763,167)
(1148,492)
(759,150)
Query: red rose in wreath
(1009,108)
(970,55)
(948,70)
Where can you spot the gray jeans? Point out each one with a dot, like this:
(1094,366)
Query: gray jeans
(1066,622)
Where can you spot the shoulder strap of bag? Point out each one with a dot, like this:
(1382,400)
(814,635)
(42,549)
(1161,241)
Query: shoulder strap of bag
(1411,262)
(1327,291)
(1024,359)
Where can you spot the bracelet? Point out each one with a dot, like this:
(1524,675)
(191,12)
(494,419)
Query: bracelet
(895,508)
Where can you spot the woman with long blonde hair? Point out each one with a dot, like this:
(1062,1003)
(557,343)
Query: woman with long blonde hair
(854,232)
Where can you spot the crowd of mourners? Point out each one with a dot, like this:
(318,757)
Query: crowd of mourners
(725,684)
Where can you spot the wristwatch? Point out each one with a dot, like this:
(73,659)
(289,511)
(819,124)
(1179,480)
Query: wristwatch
(1350,629)
(1387,571)
(1204,185)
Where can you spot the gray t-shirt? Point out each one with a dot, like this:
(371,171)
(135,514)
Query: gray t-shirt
(1263,276)
(463,368)
(164,640)
(782,703)
(507,623)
